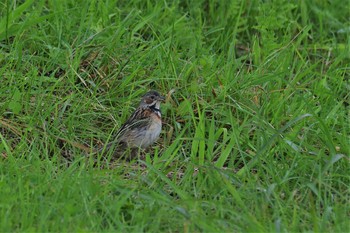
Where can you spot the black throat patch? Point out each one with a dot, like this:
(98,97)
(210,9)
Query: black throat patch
(153,108)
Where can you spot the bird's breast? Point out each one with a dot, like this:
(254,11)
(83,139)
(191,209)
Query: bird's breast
(154,129)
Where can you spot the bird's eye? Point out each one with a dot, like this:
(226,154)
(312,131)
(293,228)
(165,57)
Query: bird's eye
(152,97)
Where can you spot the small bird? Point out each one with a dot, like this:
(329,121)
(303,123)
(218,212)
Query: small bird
(142,128)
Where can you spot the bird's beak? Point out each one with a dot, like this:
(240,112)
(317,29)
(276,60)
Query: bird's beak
(161,98)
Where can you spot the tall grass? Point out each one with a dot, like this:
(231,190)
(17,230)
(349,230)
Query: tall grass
(256,123)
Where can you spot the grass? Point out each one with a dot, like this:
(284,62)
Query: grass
(256,123)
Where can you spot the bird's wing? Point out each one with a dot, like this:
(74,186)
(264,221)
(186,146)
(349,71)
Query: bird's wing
(140,118)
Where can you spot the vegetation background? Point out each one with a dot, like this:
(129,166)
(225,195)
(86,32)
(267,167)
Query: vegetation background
(256,123)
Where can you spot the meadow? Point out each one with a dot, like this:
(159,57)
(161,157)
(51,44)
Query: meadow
(256,124)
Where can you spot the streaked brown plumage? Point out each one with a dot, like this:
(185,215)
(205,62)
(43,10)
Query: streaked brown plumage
(142,128)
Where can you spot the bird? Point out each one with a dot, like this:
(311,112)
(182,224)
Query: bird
(140,130)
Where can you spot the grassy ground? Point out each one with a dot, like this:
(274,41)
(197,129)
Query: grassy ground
(256,132)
